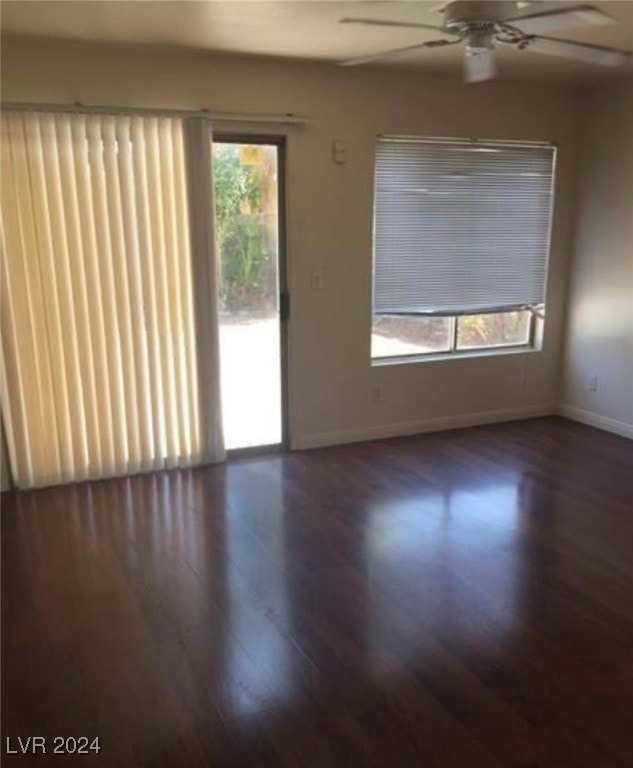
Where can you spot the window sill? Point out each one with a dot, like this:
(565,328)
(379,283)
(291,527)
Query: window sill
(469,354)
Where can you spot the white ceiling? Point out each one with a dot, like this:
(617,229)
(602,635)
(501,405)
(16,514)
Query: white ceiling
(301,30)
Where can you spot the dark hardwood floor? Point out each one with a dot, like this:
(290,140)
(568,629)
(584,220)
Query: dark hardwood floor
(455,600)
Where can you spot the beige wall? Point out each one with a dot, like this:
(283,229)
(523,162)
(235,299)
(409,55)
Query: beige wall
(330,213)
(600,323)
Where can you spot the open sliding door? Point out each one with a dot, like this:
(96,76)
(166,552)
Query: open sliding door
(248,191)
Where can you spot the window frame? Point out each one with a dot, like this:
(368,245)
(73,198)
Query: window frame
(536,320)
(537,314)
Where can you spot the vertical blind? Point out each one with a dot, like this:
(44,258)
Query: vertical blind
(99,324)
(461,227)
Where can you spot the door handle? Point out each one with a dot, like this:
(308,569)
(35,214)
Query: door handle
(284,306)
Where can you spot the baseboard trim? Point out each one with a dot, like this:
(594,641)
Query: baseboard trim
(400,429)
(592,419)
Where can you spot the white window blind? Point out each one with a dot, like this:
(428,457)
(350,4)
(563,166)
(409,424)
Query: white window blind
(461,227)
(101,327)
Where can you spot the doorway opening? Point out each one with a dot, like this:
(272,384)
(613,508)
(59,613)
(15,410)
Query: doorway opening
(248,192)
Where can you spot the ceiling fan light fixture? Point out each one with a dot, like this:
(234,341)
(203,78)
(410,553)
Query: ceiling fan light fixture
(479,64)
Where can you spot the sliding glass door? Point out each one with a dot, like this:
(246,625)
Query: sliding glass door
(108,310)
(130,343)
(248,203)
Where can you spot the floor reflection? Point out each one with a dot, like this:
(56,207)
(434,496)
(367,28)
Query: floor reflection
(444,558)
(257,589)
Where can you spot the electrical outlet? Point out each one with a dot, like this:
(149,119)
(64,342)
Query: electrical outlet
(378,394)
(591,382)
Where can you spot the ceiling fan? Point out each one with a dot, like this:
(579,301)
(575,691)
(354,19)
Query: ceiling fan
(479,25)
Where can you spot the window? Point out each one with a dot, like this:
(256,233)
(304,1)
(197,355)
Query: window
(461,245)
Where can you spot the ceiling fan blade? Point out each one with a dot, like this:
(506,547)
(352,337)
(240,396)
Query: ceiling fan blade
(593,54)
(563,18)
(480,65)
(395,52)
(402,24)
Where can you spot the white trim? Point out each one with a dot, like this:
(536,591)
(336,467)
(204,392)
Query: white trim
(466,354)
(288,118)
(596,420)
(397,429)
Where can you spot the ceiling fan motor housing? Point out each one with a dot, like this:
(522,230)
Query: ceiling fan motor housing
(462,13)
(479,23)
